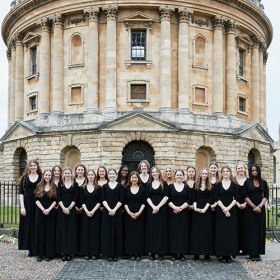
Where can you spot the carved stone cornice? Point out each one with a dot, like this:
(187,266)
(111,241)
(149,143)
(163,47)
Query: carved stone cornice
(92,13)
(44,23)
(256,39)
(265,57)
(199,22)
(218,22)
(263,46)
(57,20)
(165,12)
(231,26)
(111,12)
(184,14)
(9,55)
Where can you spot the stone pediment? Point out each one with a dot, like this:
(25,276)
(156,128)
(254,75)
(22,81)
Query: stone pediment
(245,39)
(30,36)
(256,132)
(138,16)
(138,122)
(17,131)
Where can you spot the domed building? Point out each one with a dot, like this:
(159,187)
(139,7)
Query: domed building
(112,82)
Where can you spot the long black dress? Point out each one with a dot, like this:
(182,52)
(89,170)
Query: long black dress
(226,227)
(45,227)
(134,230)
(90,227)
(111,226)
(254,223)
(66,228)
(178,224)
(202,228)
(26,224)
(156,227)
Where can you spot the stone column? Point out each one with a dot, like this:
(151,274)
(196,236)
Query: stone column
(19,79)
(231,96)
(265,56)
(165,13)
(111,12)
(12,85)
(45,68)
(93,16)
(218,95)
(183,59)
(9,57)
(58,63)
(255,95)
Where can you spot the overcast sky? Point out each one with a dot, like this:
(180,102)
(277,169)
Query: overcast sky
(272,8)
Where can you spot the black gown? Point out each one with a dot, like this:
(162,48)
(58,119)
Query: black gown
(66,228)
(254,223)
(178,224)
(45,227)
(90,227)
(111,226)
(26,223)
(226,227)
(134,230)
(202,228)
(190,211)
(156,226)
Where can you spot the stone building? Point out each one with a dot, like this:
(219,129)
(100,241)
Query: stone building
(276,161)
(112,82)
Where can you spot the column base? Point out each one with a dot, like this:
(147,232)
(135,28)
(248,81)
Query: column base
(183,110)
(218,114)
(57,113)
(92,110)
(110,110)
(166,110)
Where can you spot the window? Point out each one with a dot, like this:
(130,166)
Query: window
(33,103)
(242,100)
(33,61)
(138,92)
(241,63)
(200,56)
(200,93)
(76,94)
(138,45)
(76,53)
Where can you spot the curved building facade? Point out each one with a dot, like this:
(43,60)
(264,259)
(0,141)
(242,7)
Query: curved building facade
(111,82)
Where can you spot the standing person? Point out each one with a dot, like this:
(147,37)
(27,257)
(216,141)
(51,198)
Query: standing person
(28,181)
(102,176)
(168,174)
(178,217)
(56,174)
(202,228)
(111,226)
(123,175)
(226,221)
(255,192)
(66,228)
(144,168)
(90,195)
(134,218)
(214,178)
(45,222)
(241,177)
(156,227)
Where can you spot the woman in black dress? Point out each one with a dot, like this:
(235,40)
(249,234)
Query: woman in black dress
(66,228)
(178,217)
(45,221)
(214,178)
(102,176)
(255,193)
(144,168)
(134,218)
(169,174)
(156,228)
(123,175)
(111,225)
(226,220)
(241,177)
(202,228)
(56,174)
(90,195)
(28,182)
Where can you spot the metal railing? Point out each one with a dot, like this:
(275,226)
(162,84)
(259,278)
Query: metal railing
(273,204)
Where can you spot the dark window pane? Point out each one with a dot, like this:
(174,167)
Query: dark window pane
(34,61)
(242,104)
(33,104)
(138,92)
(241,62)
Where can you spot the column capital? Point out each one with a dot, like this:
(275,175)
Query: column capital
(111,12)
(44,23)
(256,39)
(231,26)
(265,57)
(12,44)
(92,13)
(183,14)
(57,20)
(165,12)
(218,22)
(18,39)
(9,55)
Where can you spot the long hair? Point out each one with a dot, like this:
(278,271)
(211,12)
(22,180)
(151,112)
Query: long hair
(227,167)
(60,168)
(218,179)
(40,189)
(76,167)
(147,164)
(189,167)
(97,173)
(129,184)
(159,177)
(27,169)
(241,163)
(259,177)
(94,180)
(172,171)
(208,184)
(119,177)
(71,171)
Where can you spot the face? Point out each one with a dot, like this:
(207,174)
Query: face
(144,167)
(254,171)
(240,169)
(213,169)
(90,176)
(124,172)
(80,171)
(191,173)
(33,167)
(168,172)
(134,179)
(179,177)
(101,172)
(112,175)
(226,173)
(47,176)
(67,174)
(56,172)
(204,174)
(155,173)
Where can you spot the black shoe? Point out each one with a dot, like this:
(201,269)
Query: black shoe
(39,259)
(132,257)
(253,258)
(224,260)
(63,258)
(258,258)
(195,257)
(30,254)
(69,258)
(229,260)
(174,257)
(110,259)
(115,259)
(138,258)
(93,257)
(86,258)
(181,257)
(207,258)
(152,257)
(160,258)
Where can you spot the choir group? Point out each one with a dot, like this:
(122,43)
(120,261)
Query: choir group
(125,213)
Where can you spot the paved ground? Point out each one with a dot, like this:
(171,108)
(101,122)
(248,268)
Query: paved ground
(15,265)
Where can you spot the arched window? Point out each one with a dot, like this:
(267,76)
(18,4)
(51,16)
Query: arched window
(70,156)
(76,50)
(22,162)
(200,52)
(204,156)
(251,159)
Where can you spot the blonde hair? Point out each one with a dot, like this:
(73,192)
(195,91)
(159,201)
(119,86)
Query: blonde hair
(172,171)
